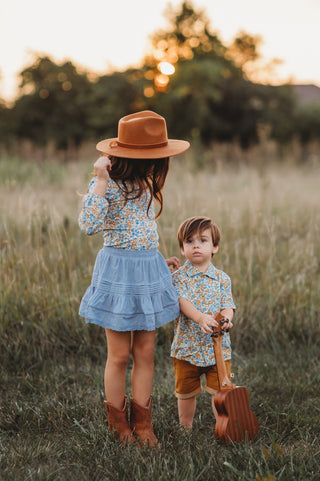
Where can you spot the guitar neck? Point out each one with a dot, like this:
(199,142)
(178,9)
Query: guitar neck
(224,381)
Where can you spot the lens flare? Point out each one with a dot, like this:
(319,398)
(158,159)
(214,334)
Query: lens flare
(166,68)
(161,81)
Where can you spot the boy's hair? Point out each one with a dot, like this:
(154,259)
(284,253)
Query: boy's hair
(135,176)
(198,224)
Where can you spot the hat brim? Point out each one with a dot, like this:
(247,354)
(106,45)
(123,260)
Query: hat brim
(173,147)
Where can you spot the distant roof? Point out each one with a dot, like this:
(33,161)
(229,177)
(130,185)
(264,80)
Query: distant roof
(307,94)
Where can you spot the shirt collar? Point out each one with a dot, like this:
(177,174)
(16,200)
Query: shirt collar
(192,271)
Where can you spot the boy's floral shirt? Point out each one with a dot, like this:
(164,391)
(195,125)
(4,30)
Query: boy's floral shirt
(125,225)
(209,292)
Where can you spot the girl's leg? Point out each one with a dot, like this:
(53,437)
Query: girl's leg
(186,410)
(141,381)
(119,344)
(143,365)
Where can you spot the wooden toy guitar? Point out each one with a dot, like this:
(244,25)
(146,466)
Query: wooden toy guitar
(235,419)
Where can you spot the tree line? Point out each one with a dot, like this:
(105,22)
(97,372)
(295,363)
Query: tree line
(209,95)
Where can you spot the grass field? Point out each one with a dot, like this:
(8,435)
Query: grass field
(52,421)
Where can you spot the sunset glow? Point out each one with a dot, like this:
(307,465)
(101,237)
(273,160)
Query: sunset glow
(106,36)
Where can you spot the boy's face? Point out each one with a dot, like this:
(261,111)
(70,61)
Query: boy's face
(199,248)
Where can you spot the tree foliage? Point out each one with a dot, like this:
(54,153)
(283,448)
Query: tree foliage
(188,36)
(209,90)
(208,96)
(308,123)
(53,103)
(244,49)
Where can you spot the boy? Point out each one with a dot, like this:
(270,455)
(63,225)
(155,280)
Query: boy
(203,290)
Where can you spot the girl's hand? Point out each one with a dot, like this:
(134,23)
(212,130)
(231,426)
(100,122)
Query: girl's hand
(206,322)
(173,262)
(101,167)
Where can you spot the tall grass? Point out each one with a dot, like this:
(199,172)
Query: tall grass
(270,223)
(53,426)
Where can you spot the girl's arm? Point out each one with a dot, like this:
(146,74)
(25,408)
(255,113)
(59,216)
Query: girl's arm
(173,262)
(95,205)
(101,167)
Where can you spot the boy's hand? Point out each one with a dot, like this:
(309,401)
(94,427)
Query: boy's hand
(173,263)
(227,315)
(227,324)
(101,167)
(206,322)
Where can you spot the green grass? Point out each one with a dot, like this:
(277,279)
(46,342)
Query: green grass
(52,420)
(53,425)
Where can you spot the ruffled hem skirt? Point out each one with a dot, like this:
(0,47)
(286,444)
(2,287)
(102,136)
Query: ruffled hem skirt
(130,291)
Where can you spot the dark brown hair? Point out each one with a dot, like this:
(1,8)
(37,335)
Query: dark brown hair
(198,224)
(135,176)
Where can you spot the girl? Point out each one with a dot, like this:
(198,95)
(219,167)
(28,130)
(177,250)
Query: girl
(131,292)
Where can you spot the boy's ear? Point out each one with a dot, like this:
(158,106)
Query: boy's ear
(215,249)
(182,251)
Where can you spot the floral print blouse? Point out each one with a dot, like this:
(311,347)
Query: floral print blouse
(209,292)
(125,225)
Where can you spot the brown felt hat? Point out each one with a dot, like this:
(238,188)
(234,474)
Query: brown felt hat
(142,135)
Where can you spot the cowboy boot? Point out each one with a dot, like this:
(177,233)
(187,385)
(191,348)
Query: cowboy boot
(118,422)
(141,424)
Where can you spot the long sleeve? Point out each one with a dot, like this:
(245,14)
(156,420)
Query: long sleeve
(93,212)
(126,223)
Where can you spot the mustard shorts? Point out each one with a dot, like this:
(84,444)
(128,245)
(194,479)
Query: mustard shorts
(188,378)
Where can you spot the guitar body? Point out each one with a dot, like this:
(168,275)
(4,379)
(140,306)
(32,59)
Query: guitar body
(235,419)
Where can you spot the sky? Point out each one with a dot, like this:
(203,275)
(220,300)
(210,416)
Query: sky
(101,35)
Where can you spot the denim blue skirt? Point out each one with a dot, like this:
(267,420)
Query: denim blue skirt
(130,291)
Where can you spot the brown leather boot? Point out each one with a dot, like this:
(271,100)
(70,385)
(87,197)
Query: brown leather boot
(141,424)
(118,422)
